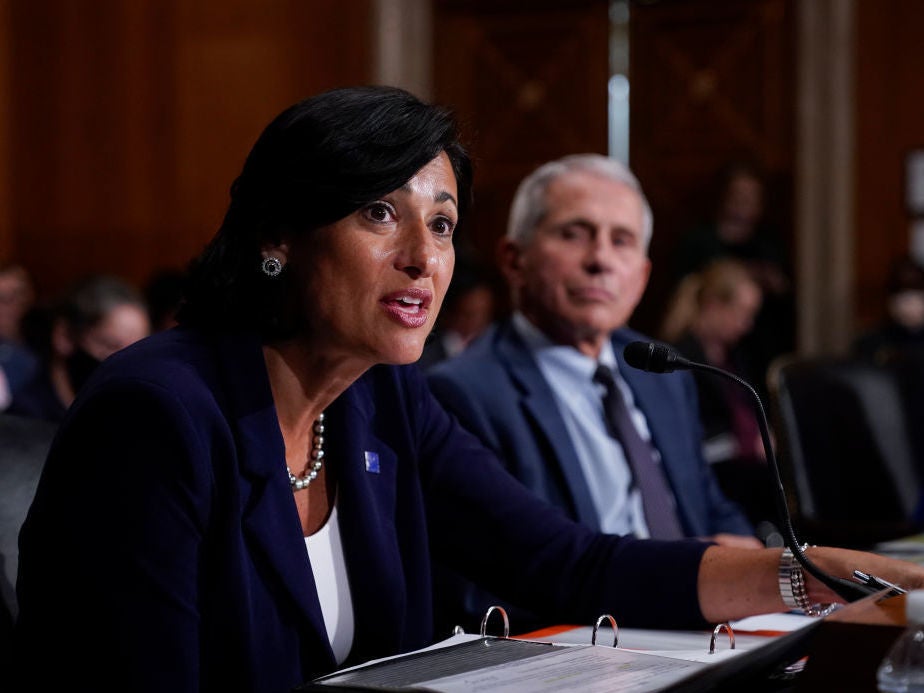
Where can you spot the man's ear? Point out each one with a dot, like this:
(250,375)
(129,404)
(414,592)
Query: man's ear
(510,260)
(647,273)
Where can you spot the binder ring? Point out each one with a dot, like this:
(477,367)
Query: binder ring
(487,615)
(715,633)
(593,638)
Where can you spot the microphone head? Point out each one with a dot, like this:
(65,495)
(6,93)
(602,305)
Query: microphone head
(652,357)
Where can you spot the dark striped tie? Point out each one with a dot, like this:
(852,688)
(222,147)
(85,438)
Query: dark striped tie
(657,499)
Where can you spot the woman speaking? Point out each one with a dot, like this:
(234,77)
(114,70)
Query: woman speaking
(257,496)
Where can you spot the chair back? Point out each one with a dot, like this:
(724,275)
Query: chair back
(846,449)
(24,443)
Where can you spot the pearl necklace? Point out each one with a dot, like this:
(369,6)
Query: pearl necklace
(316,457)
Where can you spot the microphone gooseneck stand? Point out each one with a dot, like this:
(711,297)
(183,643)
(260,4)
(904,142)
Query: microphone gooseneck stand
(660,358)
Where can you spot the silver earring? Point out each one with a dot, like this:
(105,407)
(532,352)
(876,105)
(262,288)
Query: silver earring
(271,266)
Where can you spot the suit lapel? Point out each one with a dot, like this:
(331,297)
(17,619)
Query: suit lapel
(367,471)
(539,403)
(270,520)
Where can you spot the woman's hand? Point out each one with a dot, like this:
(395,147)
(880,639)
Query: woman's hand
(735,582)
(842,563)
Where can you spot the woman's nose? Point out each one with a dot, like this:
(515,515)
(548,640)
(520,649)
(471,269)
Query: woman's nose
(419,254)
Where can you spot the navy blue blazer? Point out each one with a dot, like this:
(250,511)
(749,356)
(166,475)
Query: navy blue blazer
(163,550)
(498,392)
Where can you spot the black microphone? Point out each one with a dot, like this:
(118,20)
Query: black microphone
(655,357)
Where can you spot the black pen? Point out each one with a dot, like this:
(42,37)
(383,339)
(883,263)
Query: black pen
(877,583)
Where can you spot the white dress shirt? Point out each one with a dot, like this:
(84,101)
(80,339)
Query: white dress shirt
(570,373)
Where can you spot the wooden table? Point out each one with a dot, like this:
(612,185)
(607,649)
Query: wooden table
(848,647)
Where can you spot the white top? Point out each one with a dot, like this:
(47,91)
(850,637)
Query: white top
(580,401)
(325,553)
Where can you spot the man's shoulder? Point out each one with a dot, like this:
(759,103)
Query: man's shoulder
(485,370)
(484,352)
(626,335)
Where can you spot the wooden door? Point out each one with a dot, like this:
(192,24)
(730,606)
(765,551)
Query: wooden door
(711,81)
(126,122)
(528,80)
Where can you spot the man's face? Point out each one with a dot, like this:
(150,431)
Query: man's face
(585,268)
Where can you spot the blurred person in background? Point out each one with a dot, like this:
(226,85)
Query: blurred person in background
(17,363)
(710,314)
(16,297)
(97,317)
(902,329)
(739,230)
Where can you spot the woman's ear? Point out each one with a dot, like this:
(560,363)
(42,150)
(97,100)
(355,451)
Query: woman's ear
(280,251)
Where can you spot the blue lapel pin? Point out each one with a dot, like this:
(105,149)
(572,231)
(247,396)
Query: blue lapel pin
(372,462)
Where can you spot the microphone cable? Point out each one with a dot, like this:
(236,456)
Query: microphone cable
(655,357)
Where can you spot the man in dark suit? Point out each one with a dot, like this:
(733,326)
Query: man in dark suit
(575,256)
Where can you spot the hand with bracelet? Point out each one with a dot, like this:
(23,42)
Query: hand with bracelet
(735,583)
(793,590)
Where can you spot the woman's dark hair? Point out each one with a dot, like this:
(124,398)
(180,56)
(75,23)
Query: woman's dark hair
(316,163)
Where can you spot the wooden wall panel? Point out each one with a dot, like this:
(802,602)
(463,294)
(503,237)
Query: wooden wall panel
(6,235)
(890,123)
(123,122)
(712,81)
(129,120)
(236,72)
(529,82)
(76,145)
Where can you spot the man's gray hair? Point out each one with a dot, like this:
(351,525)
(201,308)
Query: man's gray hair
(529,203)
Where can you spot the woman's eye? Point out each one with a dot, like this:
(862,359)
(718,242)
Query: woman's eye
(443,226)
(379,212)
